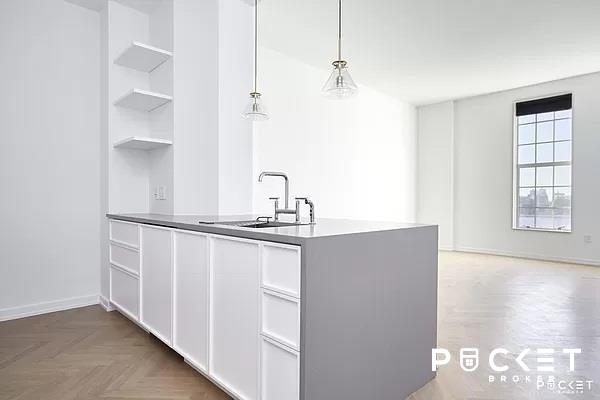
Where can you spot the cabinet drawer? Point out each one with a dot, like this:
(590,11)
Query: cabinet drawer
(125,233)
(125,258)
(280,372)
(281,269)
(124,292)
(281,318)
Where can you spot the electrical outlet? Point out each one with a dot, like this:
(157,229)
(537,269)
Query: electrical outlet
(587,238)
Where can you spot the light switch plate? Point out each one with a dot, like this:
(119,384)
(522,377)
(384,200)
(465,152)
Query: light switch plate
(160,193)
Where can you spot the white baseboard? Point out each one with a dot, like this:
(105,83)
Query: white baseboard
(445,248)
(105,303)
(530,256)
(47,307)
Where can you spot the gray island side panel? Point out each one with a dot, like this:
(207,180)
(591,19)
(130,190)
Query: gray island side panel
(369,314)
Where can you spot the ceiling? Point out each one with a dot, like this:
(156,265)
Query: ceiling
(145,6)
(426,51)
(95,5)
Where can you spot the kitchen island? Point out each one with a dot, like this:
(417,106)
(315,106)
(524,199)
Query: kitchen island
(339,309)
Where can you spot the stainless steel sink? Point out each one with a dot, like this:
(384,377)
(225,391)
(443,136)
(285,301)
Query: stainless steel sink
(255,224)
(271,224)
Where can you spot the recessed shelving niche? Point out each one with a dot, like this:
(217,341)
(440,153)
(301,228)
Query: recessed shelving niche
(143,57)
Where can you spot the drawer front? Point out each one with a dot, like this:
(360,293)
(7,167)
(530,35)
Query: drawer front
(125,258)
(280,372)
(281,269)
(124,292)
(126,233)
(281,318)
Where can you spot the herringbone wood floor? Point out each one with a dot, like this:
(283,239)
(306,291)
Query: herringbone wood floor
(484,302)
(88,353)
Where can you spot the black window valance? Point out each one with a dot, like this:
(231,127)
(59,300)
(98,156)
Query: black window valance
(548,104)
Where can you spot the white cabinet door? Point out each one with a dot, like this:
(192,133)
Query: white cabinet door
(156,282)
(190,321)
(280,371)
(235,300)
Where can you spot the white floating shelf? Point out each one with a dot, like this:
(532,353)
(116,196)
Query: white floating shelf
(142,57)
(142,143)
(143,100)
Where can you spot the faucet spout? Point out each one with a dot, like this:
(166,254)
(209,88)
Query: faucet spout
(287,183)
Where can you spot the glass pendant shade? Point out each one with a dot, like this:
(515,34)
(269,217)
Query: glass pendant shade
(255,110)
(340,84)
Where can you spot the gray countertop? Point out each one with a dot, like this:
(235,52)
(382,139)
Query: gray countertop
(290,234)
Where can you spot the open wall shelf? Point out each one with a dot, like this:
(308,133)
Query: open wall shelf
(142,143)
(143,100)
(143,57)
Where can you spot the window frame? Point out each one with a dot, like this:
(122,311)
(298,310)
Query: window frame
(516,167)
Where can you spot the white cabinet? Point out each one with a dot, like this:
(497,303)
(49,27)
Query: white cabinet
(190,293)
(280,322)
(124,258)
(280,371)
(235,299)
(281,318)
(125,233)
(124,292)
(281,268)
(229,306)
(156,281)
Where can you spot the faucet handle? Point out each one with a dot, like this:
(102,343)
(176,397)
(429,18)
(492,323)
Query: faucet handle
(273,198)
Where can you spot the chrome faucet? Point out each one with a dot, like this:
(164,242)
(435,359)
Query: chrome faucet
(286,209)
(287,183)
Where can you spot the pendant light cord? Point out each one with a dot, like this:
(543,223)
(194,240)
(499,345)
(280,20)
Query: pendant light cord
(340,31)
(255,44)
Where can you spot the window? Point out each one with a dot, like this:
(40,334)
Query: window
(543,141)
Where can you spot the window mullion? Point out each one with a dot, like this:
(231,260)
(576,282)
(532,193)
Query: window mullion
(535,176)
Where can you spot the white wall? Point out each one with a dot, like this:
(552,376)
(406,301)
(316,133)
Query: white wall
(128,178)
(213,75)
(196,106)
(161,120)
(483,135)
(354,158)
(435,186)
(235,83)
(49,155)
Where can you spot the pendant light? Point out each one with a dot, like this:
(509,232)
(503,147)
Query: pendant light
(339,85)
(255,110)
